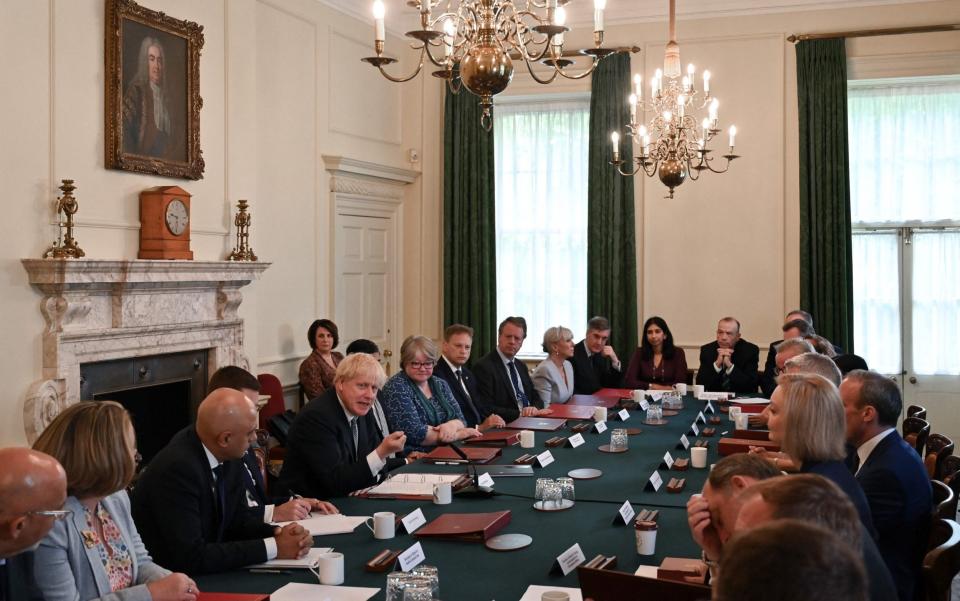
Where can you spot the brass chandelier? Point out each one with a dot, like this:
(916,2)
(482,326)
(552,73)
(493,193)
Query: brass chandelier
(474,43)
(680,146)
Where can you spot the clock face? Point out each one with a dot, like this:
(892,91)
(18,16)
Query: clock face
(177,217)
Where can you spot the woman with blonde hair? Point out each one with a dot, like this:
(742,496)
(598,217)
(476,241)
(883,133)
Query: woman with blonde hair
(553,378)
(807,419)
(97,553)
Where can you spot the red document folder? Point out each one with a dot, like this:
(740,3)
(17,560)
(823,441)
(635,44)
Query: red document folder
(730,446)
(541,424)
(616,393)
(571,411)
(473,455)
(495,438)
(592,400)
(476,527)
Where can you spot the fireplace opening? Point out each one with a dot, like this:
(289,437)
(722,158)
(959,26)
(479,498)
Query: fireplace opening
(161,392)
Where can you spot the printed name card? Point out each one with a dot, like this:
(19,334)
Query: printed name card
(411,558)
(710,408)
(485,480)
(684,443)
(624,415)
(576,440)
(545,458)
(601,427)
(413,520)
(624,514)
(654,483)
(667,461)
(644,405)
(568,561)
(695,429)
(701,418)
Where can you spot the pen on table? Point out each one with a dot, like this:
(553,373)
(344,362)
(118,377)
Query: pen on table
(268,571)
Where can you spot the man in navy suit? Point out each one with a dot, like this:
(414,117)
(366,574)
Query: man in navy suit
(595,363)
(891,475)
(457,342)
(504,386)
(729,364)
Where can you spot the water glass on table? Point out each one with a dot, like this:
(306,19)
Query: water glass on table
(618,439)
(567,492)
(399,582)
(432,574)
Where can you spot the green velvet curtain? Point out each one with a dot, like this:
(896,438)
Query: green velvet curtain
(826,260)
(469,230)
(611,236)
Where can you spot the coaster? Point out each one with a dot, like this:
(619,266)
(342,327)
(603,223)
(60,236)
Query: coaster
(655,422)
(551,506)
(633,431)
(670,413)
(605,448)
(585,473)
(508,542)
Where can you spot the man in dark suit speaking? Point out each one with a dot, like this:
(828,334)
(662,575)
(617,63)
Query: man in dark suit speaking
(595,363)
(730,363)
(457,342)
(190,506)
(891,474)
(334,446)
(504,386)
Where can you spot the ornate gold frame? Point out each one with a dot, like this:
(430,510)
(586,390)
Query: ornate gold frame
(116,12)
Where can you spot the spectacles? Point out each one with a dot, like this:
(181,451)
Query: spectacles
(421,364)
(56,514)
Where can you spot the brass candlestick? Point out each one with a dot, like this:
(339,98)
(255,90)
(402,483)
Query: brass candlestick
(65,246)
(242,251)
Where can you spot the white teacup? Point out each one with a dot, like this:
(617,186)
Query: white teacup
(698,457)
(697,390)
(680,387)
(600,414)
(384,524)
(526,439)
(442,493)
(330,568)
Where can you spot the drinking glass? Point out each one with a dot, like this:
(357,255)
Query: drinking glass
(399,582)
(552,495)
(418,592)
(540,491)
(618,439)
(566,489)
(432,574)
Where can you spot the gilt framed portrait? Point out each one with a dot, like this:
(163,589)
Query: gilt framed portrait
(152,103)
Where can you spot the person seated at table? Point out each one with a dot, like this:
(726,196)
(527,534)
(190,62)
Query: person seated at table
(595,363)
(790,560)
(729,364)
(821,345)
(97,553)
(189,503)
(553,378)
(806,418)
(504,386)
(334,446)
(363,345)
(657,364)
(805,363)
(452,368)
(420,404)
(318,369)
(814,499)
(796,324)
(275,508)
(712,514)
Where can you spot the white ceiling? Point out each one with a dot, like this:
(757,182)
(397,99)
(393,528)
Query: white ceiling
(400,17)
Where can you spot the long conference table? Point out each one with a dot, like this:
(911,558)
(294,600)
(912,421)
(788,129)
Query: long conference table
(469,571)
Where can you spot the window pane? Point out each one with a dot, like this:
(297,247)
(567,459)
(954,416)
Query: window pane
(936,303)
(541,214)
(904,150)
(876,300)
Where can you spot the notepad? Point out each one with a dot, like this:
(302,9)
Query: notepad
(336,523)
(296,591)
(310,560)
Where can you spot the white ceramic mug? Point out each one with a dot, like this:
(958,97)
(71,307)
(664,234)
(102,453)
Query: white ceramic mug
(442,493)
(526,439)
(698,457)
(680,387)
(734,413)
(743,421)
(697,390)
(600,414)
(637,396)
(384,524)
(330,568)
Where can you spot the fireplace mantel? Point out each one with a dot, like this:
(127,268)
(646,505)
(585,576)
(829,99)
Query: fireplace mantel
(98,310)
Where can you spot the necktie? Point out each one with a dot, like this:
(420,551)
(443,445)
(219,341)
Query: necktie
(476,414)
(522,399)
(356,436)
(221,491)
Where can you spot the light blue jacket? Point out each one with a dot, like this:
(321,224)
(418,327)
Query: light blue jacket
(66,569)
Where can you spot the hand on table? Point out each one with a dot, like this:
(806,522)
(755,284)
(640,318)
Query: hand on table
(324,507)
(175,587)
(293,541)
(292,510)
(492,421)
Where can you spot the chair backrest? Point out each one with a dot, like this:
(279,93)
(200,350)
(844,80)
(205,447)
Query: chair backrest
(944,501)
(608,585)
(951,472)
(270,384)
(917,411)
(939,447)
(915,432)
(279,426)
(942,562)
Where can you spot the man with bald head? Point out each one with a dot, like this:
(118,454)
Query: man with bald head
(33,489)
(189,503)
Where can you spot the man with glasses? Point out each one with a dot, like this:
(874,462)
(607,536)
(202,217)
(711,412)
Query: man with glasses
(33,489)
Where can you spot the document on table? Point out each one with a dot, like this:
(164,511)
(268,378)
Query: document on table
(297,591)
(647,571)
(412,484)
(335,523)
(535,592)
(310,560)
(751,401)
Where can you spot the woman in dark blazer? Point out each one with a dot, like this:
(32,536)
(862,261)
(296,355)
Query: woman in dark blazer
(657,364)
(96,553)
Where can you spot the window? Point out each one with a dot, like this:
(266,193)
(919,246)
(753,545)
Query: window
(541,214)
(905,207)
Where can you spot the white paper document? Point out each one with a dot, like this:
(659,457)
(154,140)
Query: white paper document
(751,401)
(310,560)
(336,523)
(296,591)
(412,484)
(535,592)
(646,571)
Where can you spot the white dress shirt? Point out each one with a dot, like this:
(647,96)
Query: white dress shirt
(864,450)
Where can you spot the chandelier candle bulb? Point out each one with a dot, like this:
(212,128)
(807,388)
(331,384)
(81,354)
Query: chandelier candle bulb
(646,145)
(733,134)
(615,138)
(450,34)
(681,101)
(714,110)
(685,83)
(633,109)
(638,86)
(598,6)
(559,19)
(379,12)
(667,116)
(706,82)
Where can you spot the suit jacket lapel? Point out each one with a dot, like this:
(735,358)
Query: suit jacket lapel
(88,537)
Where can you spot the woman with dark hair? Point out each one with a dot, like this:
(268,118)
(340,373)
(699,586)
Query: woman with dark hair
(657,364)
(317,370)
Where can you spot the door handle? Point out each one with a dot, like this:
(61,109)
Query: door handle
(913,379)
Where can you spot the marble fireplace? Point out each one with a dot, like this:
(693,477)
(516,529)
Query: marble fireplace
(142,313)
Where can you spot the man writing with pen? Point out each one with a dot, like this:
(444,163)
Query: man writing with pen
(335,446)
